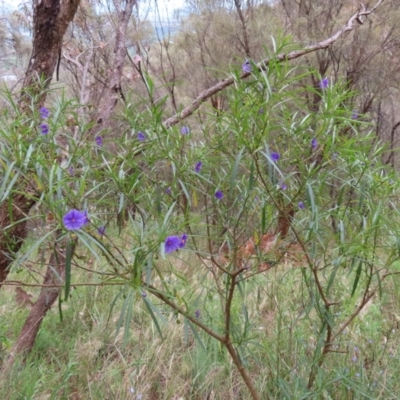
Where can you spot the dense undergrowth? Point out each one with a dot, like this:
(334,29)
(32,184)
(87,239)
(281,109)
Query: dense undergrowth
(233,312)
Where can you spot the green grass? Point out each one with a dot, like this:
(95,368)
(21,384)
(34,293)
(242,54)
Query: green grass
(83,357)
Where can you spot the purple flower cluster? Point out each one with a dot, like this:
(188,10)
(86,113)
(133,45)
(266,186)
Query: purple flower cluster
(247,67)
(324,84)
(174,243)
(185,130)
(198,167)
(75,219)
(314,143)
(99,140)
(141,136)
(275,156)
(44,129)
(44,114)
(219,195)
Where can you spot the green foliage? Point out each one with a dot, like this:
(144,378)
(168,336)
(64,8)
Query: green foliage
(274,274)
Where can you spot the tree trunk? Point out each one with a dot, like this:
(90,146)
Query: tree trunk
(50,21)
(112,91)
(54,276)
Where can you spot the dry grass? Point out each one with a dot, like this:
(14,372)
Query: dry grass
(83,357)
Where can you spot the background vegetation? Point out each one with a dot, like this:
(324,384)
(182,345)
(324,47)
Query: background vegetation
(247,248)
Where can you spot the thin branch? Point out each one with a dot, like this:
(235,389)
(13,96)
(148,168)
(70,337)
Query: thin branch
(163,297)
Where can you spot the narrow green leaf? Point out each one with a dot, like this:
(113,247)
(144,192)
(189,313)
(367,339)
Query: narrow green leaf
(274,44)
(342,231)
(119,294)
(68,260)
(251,177)
(336,264)
(60,307)
(235,170)
(168,214)
(196,335)
(128,317)
(123,310)
(28,155)
(264,218)
(357,278)
(121,202)
(377,214)
(312,199)
(152,315)
(10,186)
(188,197)
(362,194)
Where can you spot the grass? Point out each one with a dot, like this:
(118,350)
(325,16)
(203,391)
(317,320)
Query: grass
(95,352)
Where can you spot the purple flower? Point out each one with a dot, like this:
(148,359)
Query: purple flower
(71,171)
(144,295)
(185,130)
(218,195)
(74,219)
(198,167)
(99,141)
(168,190)
(324,83)
(197,314)
(283,186)
(247,67)
(44,128)
(172,243)
(314,143)
(44,112)
(301,205)
(275,156)
(101,230)
(354,115)
(183,241)
(141,136)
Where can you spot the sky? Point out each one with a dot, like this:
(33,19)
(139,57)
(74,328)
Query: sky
(166,8)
